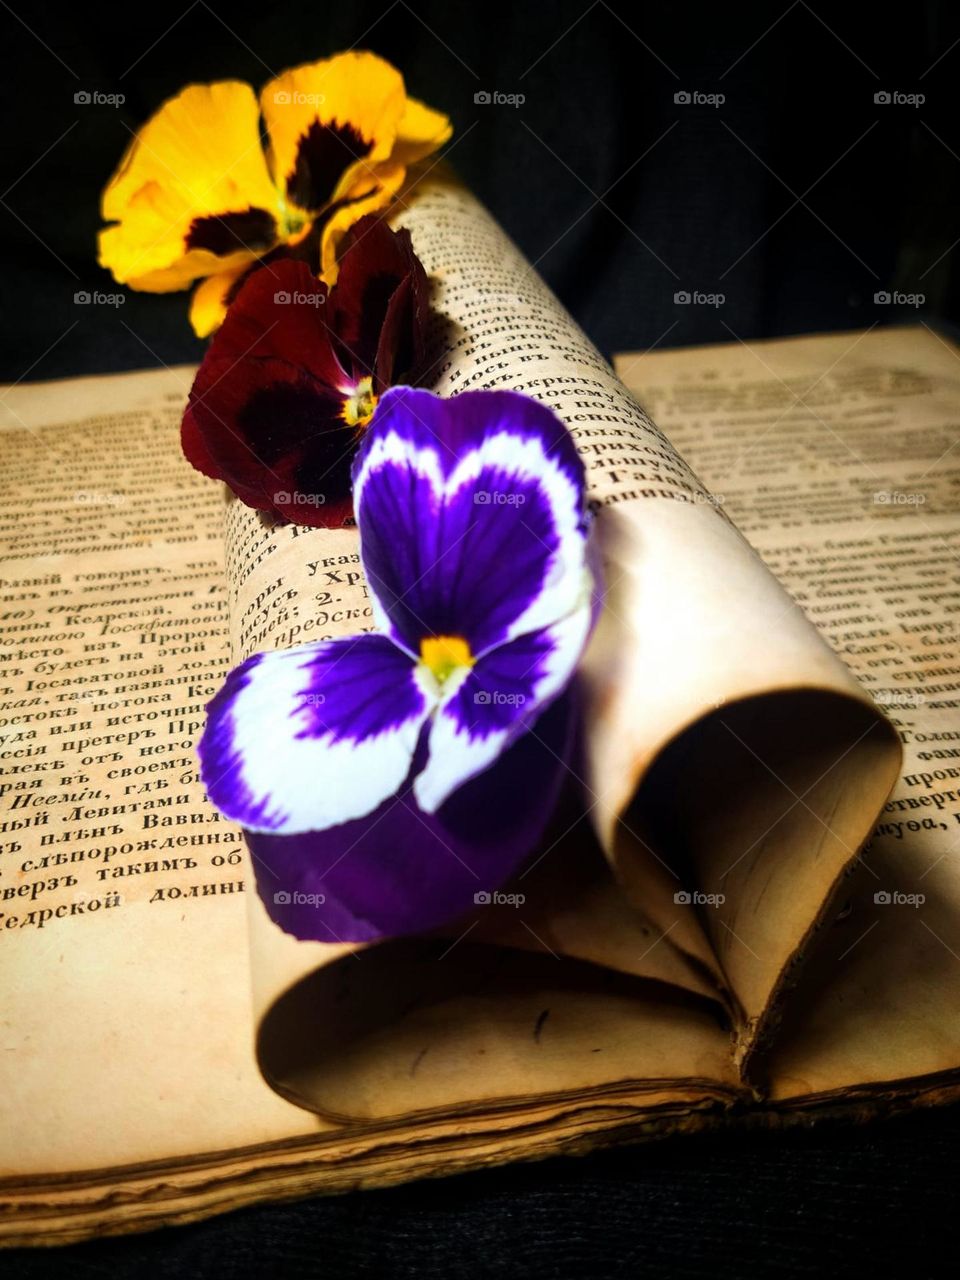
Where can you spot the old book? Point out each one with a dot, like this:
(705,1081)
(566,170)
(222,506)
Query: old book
(709,935)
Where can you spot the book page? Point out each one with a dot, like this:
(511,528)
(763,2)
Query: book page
(841,456)
(684,593)
(130,1090)
(131,1096)
(119,885)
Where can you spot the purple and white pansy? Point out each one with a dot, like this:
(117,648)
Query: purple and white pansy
(387,778)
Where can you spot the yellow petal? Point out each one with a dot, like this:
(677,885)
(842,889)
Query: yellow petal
(193,193)
(208,305)
(140,252)
(373,191)
(330,122)
(422,130)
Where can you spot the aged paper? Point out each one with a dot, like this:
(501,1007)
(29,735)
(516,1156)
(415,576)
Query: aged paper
(119,885)
(131,1094)
(685,595)
(840,455)
(128,951)
(122,891)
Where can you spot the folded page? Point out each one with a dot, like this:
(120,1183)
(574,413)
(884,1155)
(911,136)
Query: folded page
(735,866)
(838,454)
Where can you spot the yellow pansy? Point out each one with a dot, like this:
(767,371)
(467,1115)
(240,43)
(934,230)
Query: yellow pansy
(197,198)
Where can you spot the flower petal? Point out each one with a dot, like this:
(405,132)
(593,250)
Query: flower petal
(500,699)
(305,738)
(381,305)
(193,194)
(472,516)
(372,191)
(422,131)
(210,299)
(400,871)
(264,412)
(329,122)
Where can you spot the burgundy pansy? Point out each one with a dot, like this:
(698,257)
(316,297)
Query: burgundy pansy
(293,375)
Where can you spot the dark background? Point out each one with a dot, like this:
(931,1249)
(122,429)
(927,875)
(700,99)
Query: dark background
(799,198)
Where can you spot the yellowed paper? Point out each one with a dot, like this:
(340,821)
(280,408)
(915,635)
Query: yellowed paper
(684,595)
(119,885)
(131,1095)
(140,981)
(839,455)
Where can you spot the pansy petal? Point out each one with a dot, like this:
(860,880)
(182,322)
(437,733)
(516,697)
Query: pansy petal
(400,871)
(193,193)
(372,190)
(149,251)
(328,122)
(472,517)
(422,131)
(304,738)
(210,299)
(381,304)
(265,409)
(500,699)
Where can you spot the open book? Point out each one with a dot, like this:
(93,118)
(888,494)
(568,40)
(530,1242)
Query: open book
(706,937)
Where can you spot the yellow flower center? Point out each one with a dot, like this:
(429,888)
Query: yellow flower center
(359,405)
(442,655)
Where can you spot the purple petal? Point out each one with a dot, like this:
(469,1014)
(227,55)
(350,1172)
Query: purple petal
(307,737)
(401,871)
(471,516)
(503,695)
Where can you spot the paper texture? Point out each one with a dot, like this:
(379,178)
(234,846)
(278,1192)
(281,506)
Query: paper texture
(807,759)
(119,885)
(131,1095)
(839,458)
(131,1092)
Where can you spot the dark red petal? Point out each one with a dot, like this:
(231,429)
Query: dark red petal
(195,448)
(402,339)
(265,408)
(375,262)
(265,321)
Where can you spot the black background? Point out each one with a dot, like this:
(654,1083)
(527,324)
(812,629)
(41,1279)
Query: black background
(799,198)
